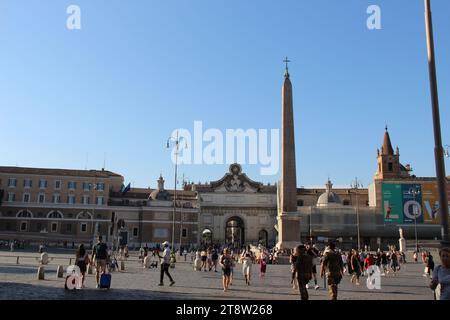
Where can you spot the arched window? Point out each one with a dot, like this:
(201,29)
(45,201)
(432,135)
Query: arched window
(55,215)
(85,215)
(24,214)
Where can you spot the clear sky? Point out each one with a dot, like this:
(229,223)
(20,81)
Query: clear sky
(139,69)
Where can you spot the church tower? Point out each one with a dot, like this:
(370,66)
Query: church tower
(388,163)
(288,223)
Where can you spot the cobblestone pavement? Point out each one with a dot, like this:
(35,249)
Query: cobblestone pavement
(19,281)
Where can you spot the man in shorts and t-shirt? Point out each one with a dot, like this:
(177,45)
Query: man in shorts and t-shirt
(99,257)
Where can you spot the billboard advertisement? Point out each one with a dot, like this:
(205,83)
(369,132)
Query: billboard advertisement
(412,203)
(430,203)
(392,203)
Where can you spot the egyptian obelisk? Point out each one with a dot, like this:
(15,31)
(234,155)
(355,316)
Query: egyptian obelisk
(288,220)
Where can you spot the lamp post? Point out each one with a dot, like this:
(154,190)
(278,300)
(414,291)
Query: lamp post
(355,185)
(177,142)
(181,211)
(446,153)
(438,149)
(414,193)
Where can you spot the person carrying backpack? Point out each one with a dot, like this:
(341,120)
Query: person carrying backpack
(333,268)
(304,270)
(99,258)
(214,258)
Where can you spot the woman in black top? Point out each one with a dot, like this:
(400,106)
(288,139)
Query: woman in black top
(430,263)
(82,260)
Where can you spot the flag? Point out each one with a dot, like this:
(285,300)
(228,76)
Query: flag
(127,188)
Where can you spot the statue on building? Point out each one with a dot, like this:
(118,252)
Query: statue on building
(402,241)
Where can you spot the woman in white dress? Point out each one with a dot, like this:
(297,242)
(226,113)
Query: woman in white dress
(246,259)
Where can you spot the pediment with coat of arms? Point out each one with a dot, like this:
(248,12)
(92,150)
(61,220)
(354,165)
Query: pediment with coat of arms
(236,181)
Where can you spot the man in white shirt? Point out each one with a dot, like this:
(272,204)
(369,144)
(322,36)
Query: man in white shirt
(165,263)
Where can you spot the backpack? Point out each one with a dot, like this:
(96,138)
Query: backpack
(101,251)
(215,256)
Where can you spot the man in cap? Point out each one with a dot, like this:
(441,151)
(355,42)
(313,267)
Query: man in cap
(165,263)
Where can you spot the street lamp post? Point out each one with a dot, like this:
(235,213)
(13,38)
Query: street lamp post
(177,142)
(181,211)
(414,193)
(438,149)
(355,186)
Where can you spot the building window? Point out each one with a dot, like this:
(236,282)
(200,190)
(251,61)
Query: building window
(68,227)
(100,186)
(184,233)
(26,197)
(41,198)
(100,201)
(56,198)
(135,232)
(24,214)
(23,226)
(12,182)
(84,227)
(346,202)
(390,166)
(27,183)
(42,184)
(71,199)
(71,185)
(300,203)
(11,197)
(160,233)
(86,186)
(85,199)
(55,215)
(54,227)
(58,184)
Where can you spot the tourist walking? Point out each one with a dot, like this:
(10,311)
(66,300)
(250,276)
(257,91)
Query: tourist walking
(355,267)
(430,264)
(246,259)
(82,261)
(226,262)
(303,269)
(333,269)
(441,275)
(384,263)
(165,263)
(214,259)
(204,256)
(99,258)
(315,254)
(293,261)
(262,264)
(394,262)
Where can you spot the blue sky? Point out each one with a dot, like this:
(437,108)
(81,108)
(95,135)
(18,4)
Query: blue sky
(139,69)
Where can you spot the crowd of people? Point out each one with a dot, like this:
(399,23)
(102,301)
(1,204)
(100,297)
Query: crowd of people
(307,264)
